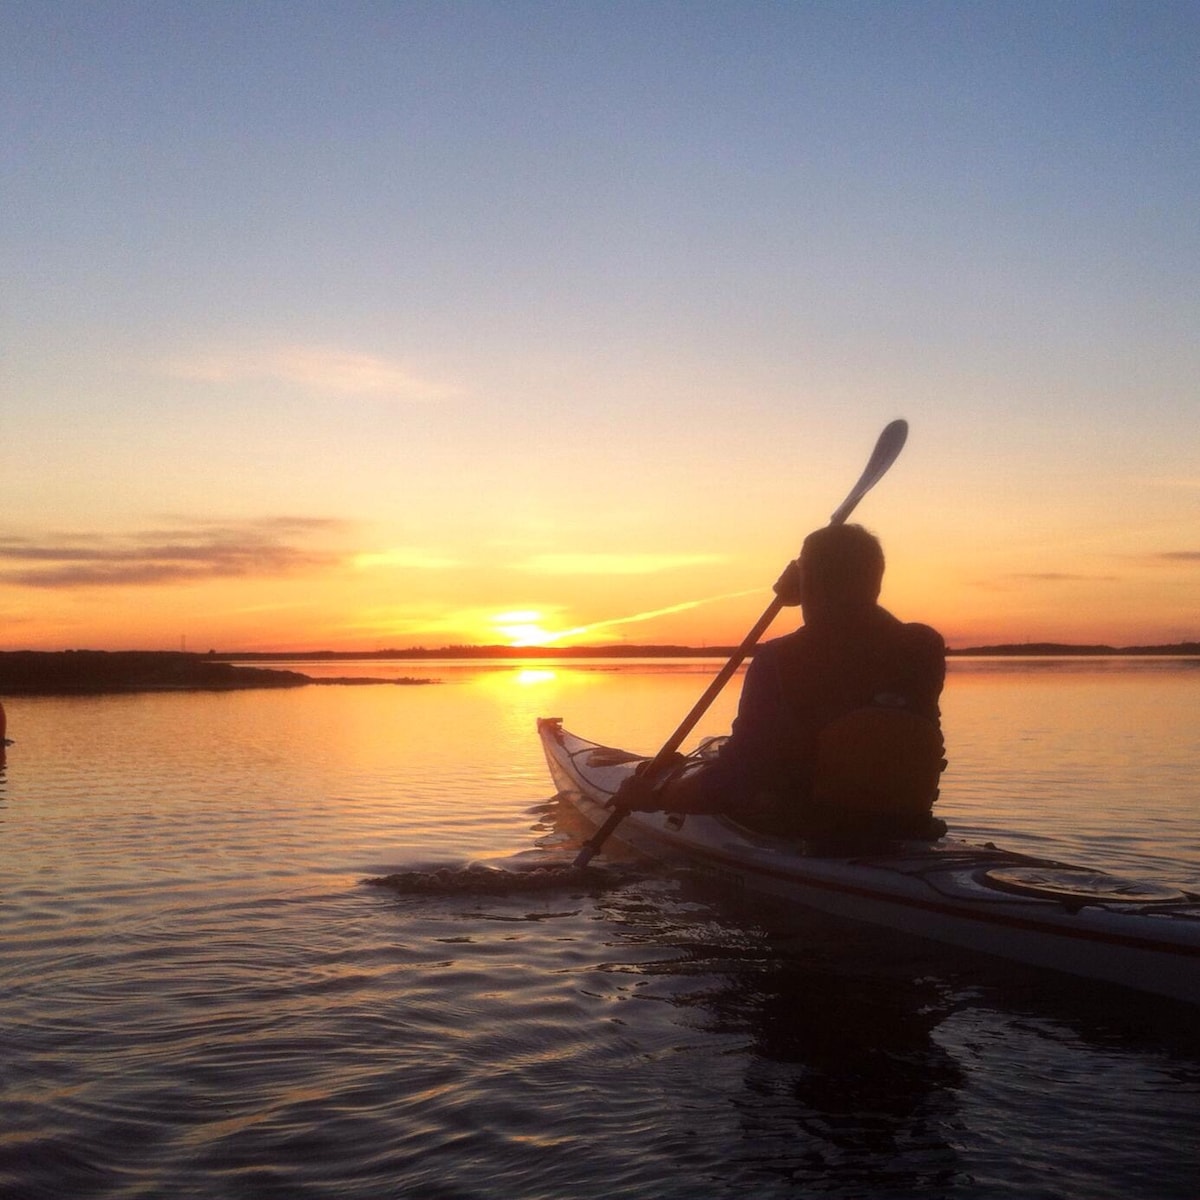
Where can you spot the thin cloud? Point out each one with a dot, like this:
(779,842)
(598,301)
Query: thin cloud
(1178,556)
(188,553)
(1006,583)
(1175,483)
(615,564)
(634,618)
(317,369)
(411,558)
(1063,577)
(394,624)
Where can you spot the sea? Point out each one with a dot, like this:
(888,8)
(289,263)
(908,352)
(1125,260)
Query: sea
(203,993)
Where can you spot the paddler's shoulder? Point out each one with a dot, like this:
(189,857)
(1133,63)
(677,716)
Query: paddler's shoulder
(768,656)
(878,622)
(919,645)
(924,637)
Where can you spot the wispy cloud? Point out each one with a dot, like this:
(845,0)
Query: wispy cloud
(615,564)
(634,618)
(320,369)
(1177,482)
(1161,558)
(412,558)
(183,552)
(392,625)
(1010,582)
(1063,577)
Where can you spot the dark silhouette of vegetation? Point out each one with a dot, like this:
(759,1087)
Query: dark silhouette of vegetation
(68,672)
(1028,649)
(65,672)
(1061,649)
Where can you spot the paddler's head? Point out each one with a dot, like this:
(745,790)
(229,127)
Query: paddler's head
(841,572)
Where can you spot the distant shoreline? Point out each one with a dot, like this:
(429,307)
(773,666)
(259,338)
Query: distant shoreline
(1022,649)
(103,672)
(96,672)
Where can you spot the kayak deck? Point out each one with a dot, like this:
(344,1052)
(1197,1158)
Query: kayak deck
(1037,911)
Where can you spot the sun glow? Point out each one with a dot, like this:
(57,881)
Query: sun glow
(524,628)
(531,676)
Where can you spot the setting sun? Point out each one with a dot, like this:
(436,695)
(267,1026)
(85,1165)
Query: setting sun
(523,628)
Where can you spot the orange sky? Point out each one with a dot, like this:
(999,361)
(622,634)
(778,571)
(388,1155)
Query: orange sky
(417,318)
(303,585)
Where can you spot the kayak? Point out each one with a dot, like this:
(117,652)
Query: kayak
(1092,924)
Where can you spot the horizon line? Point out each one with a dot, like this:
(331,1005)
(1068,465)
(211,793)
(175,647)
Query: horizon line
(622,649)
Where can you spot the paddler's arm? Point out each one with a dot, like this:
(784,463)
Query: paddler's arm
(723,783)
(688,792)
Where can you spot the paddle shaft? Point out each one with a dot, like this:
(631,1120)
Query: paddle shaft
(672,744)
(887,448)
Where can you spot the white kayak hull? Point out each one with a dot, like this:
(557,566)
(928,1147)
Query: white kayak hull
(1145,937)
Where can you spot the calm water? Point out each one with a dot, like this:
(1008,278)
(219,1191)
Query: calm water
(199,997)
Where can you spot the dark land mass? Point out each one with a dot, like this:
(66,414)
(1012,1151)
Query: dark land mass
(419,653)
(1063,650)
(83,672)
(1022,649)
(68,672)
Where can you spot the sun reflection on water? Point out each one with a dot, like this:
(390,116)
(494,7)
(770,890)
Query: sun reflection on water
(532,676)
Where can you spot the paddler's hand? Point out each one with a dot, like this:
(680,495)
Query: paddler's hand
(641,791)
(789,585)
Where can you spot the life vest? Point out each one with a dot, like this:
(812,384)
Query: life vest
(878,765)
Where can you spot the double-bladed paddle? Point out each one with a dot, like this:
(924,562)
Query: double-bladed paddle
(887,450)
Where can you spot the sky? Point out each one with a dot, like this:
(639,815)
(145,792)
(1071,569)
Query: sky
(370,325)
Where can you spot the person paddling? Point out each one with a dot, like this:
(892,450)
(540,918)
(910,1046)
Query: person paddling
(838,731)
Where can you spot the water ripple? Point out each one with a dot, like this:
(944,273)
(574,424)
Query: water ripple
(201,999)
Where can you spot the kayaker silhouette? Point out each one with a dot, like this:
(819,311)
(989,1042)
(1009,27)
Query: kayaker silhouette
(838,730)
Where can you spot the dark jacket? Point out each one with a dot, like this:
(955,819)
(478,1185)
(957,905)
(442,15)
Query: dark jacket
(797,686)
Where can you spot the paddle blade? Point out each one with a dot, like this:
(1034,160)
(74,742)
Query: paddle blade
(887,450)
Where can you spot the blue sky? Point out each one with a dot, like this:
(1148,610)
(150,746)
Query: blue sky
(474,285)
